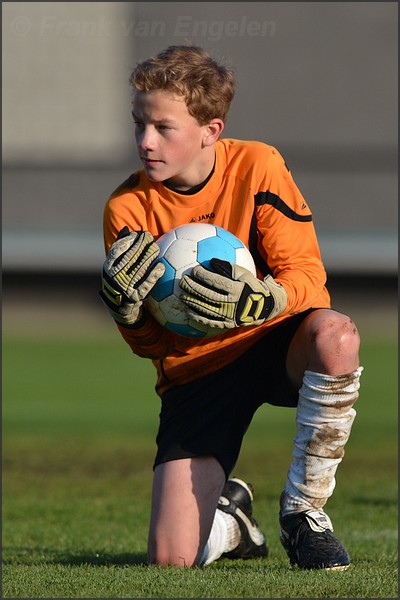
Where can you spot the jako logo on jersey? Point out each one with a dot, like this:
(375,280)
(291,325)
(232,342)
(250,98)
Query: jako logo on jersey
(203,217)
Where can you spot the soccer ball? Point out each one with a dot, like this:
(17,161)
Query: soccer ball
(181,249)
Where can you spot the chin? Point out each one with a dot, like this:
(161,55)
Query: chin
(154,176)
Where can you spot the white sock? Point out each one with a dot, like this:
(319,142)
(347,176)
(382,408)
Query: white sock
(324,418)
(224,537)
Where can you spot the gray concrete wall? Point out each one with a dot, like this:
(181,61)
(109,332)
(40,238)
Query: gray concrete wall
(317,80)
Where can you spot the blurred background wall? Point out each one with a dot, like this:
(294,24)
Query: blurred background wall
(317,80)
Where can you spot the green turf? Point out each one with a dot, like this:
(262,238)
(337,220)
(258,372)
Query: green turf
(79,421)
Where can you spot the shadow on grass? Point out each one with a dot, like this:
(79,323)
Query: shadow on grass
(13,556)
(105,560)
(36,556)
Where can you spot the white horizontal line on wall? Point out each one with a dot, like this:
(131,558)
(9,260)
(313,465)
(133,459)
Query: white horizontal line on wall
(355,252)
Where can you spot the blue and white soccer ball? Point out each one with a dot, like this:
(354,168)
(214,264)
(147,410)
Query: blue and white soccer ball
(181,249)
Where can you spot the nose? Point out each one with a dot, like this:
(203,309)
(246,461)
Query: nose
(146,138)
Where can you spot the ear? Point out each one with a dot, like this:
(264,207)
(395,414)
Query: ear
(212,131)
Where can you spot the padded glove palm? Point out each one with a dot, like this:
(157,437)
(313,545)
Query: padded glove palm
(230,296)
(129,274)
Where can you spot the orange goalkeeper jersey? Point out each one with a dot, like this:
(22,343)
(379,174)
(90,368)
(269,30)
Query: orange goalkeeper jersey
(252,194)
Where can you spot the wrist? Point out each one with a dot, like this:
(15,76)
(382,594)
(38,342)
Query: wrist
(136,324)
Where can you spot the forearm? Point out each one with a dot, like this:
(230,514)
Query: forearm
(292,253)
(305,287)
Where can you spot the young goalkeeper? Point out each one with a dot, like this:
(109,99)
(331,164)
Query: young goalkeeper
(296,352)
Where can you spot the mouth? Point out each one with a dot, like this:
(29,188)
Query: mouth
(150,162)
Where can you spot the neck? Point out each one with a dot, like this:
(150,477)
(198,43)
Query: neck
(203,171)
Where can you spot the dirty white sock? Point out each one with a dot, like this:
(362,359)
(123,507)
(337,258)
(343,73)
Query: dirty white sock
(324,418)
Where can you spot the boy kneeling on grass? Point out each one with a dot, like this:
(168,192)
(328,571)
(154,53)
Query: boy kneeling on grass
(283,344)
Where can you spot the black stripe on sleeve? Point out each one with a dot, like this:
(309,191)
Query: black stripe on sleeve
(260,263)
(274,200)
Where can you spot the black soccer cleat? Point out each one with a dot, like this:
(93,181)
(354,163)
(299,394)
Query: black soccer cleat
(308,540)
(236,500)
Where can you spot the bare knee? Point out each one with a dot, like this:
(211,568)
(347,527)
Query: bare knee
(164,551)
(338,331)
(326,342)
(165,557)
(334,344)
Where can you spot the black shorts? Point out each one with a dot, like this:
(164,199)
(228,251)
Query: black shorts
(209,416)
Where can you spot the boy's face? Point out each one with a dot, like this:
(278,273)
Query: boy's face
(170,141)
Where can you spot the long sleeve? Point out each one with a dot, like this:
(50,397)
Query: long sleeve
(288,239)
(150,340)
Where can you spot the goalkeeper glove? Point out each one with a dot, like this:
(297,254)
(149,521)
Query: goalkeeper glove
(129,274)
(231,296)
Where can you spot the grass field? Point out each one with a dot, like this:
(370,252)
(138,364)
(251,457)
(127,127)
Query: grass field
(79,421)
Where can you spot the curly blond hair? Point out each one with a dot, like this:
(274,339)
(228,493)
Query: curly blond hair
(189,71)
